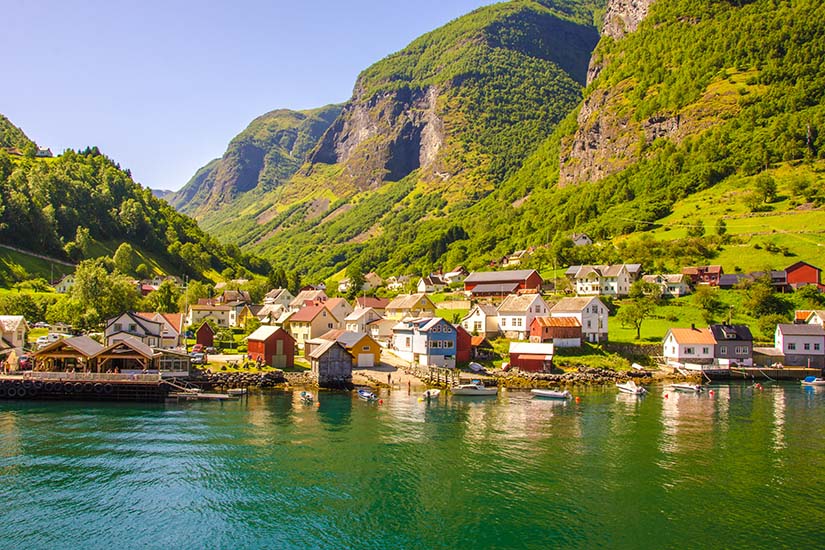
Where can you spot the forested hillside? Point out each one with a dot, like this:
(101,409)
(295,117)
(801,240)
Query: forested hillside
(81,205)
(13,137)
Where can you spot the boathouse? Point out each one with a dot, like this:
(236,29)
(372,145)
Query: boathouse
(331,365)
(531,357)
(205,335)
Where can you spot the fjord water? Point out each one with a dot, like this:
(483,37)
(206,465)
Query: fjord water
(741,469)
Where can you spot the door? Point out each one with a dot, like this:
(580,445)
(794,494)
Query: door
(366,360)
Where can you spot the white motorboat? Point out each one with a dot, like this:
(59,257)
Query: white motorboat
(473,388)
(307,397)
(236,392)
(631,387)
(813,381)
(551,394)
(431,394)
(685,387)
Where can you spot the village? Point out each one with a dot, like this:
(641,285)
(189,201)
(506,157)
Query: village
(506,321)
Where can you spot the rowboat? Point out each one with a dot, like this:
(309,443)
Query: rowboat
(813,381)
(236,392)
(631,387)
(473,388)
(367,395)
(551,394)
(684,387)
(306,397)
(431,394)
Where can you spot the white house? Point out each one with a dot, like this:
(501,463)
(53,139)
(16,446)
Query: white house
(132,325)
(198,312)
(580,239)
(516,313)
(278,296)
(591,313)
(802,345)
(481,320)
(433,283)
(457,275)
(816,317)
(398,284)
(14,331)
(603,280)
(65,284)
(689,345)
(672,285)
(358,320)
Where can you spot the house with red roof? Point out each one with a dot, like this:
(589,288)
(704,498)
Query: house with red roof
(311,322)
(171,327)
(563,332)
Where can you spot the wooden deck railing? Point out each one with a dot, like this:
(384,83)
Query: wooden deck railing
(90,376)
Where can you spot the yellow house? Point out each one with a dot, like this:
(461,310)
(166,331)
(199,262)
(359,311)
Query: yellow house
(410,305)
(364,350)
(310,322)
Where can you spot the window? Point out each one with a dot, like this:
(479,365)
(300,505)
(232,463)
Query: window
(365,348)
(132,327)
(518,321)
(504,321)
(118,327)
(723,350)
(437,328)
(816,347)
(407,341)
(447,330)
(538,309)
(791,346)
(689,351)
(329,325)
(806,346)
(448,344)
(705,351)
(477,326)
(741,350)
(589,324)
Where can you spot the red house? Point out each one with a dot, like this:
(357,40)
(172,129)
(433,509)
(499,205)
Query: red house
(502,283)
(464,345)
(273,346)
(563,331)
(706,274)
(801,274)
(205,335)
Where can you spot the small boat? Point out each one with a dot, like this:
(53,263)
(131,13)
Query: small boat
(685,387)
(631,387)
(813,381)
(367,395)
(431,394)
(236,392)
(551,394)
(473,388)
(306,398)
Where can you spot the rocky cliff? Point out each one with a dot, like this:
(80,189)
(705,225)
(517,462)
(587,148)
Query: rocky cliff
(264,155)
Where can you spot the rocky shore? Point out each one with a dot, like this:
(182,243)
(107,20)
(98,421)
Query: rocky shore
(243,379)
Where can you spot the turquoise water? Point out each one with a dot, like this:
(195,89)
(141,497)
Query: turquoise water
(741,469)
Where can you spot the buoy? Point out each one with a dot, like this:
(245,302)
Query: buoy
(380,401)
(711,392)
(578,399)
(317,404)
(420,399)
(666,396)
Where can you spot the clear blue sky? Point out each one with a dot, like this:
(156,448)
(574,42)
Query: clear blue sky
(162,86)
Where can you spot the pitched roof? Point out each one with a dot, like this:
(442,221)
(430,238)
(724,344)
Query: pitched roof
(208,307)
(799,264)
(476,341)
(495,288)
(499,276)
(145,323)
(11,322)
(309,313)
(371,301)
(567,305)
(692,335)
(82,344)
(308,296)
(800,330)
(531,348)
(346,337)
(519,303)
(801,315)
(264,332)
(731,332)
(277,293)
(407,301)
(323,348)
(557,321)
(132,343)
(334,302)
(360,312)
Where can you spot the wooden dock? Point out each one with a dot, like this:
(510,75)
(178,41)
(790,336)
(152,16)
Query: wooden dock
(83,387)
(758,373)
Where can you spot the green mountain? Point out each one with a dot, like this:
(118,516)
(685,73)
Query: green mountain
(82,205)
(428,132)
(499,131)
(266,154)
(13,137)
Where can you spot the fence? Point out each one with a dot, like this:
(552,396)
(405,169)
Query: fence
(92,376)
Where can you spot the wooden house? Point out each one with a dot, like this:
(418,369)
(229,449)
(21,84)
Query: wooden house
(802,274)
(133,326)
(331,365)
(68,353)
(205,335)
(502,283)
(410,306)
(364,350)
(531,357)
(463,345)
(272,345)
(563,332)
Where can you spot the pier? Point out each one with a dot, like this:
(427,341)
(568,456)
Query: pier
(760,373)
(69,386)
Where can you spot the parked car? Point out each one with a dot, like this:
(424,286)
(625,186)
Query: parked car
(197,348)
(24,362)
(48,339)
(41,324)
(210,349)
(198,358)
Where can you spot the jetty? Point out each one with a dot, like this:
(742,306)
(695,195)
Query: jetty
(84,386)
